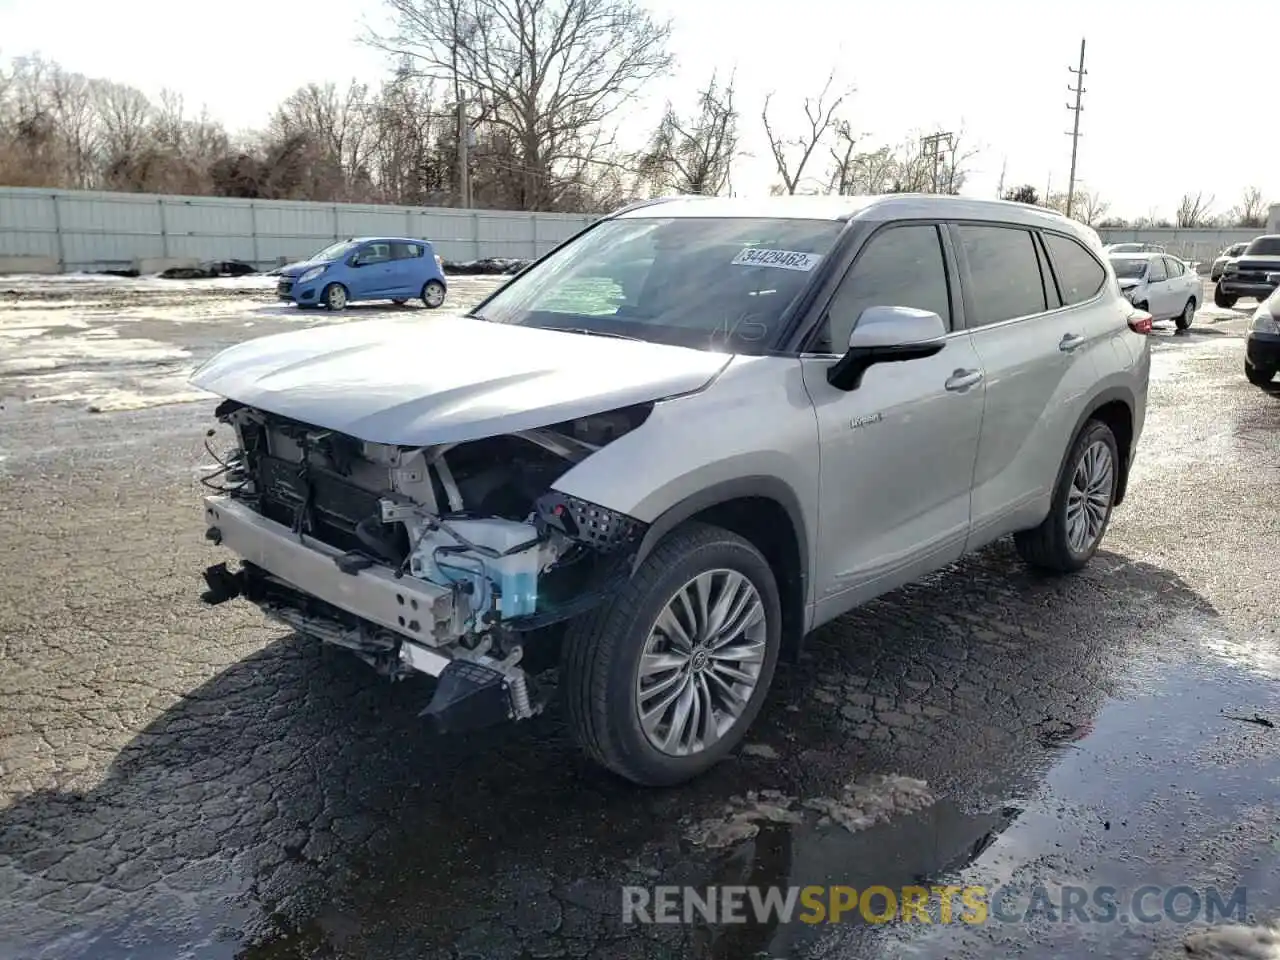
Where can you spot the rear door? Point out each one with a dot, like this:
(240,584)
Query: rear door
(1036,346)
(408,269)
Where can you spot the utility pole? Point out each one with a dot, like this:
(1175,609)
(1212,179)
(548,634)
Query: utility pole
(464,131)
(1000,186)
(931,148)
(1078,90)
(464,159)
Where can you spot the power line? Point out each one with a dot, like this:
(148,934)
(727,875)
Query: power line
(1078,90)
(931,149)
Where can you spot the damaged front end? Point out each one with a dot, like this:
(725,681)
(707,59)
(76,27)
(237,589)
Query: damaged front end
(456,560)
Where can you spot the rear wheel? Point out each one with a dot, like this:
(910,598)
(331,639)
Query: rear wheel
(432,294)
(1258,376)
(1224,300)
(662,680)
(335,296)
(1082,501)
(1183,321)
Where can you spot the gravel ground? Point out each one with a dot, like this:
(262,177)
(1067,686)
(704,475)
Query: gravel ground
(181,781)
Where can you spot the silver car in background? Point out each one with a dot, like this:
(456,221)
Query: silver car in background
(661,455)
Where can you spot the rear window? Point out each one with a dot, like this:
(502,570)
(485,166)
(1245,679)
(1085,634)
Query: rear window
(1264,247)
(405,251)
(712,283)
(1129,268)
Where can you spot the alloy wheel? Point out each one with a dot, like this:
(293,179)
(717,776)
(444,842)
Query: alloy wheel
(1089,499)
(701,662)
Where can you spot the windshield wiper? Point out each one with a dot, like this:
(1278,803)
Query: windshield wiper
(597,333)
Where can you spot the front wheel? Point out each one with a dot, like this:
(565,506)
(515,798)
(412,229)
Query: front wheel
(432,294)
(1223,300)
(1183,321)
(1082,501)
(663,680)
(1258,376)
(335,296)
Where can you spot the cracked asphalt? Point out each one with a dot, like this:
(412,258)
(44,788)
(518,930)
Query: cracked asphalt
(185,781)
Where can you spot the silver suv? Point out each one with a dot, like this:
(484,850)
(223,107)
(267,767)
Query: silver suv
(666,451)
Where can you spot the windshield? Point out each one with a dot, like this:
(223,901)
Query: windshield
(335,251)
(1129,269)
(1264,247)
(710,283)
(1236,249)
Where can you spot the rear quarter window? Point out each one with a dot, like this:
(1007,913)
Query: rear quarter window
(1080,276)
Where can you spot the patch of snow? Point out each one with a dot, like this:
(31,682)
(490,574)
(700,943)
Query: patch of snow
(861,804)
(877,799)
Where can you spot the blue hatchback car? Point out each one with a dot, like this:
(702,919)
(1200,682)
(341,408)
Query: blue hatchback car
(366,268)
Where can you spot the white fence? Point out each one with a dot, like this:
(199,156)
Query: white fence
(1190,244)
(86,230)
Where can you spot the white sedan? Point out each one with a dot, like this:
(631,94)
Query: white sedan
(1162,285)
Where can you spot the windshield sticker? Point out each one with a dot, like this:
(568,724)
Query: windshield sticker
(785,259)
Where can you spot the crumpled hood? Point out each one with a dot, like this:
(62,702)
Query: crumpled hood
(296,270)
(1129,284)
(417,382)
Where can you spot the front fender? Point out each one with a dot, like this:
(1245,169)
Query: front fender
(752,433)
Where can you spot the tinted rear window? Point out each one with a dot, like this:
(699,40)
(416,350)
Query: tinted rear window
(1080,276)
(1004,273)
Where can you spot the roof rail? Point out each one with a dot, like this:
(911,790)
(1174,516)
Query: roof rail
(642,203)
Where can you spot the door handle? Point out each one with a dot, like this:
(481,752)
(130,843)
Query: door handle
(1069,342)
(963,379)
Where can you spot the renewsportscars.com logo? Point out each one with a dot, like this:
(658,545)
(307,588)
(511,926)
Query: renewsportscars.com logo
(935,904)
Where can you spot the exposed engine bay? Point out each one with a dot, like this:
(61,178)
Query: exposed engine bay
(489,557)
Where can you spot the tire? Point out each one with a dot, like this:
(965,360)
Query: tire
(400,301)
(1223,300)
(334,297)
(1257,376)
(1051,546)
(603,650)
(432,294)
(1183,320)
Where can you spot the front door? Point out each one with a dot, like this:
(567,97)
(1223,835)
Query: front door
(371,275)
(1158,289)
(897,452)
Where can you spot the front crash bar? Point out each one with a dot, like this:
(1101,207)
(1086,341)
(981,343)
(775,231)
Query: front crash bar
(406,606)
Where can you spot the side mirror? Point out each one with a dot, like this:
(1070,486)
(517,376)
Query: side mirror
(887,335)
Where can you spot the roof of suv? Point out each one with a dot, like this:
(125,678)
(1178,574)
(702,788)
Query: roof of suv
(892,206)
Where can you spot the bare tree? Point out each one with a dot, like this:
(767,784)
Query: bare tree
(1194,210)
(547,73)
(1089,207)
(338,127)
(1024,194)
(791,155)
(1252,210)
(695,155)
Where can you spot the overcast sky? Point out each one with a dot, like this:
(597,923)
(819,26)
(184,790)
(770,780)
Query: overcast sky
(1158,119)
